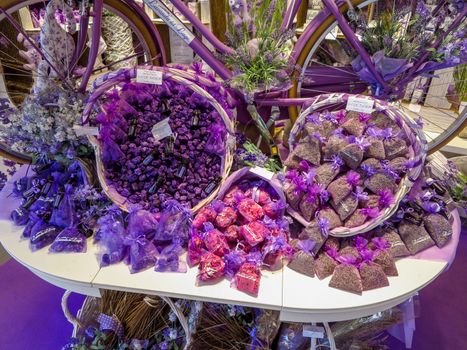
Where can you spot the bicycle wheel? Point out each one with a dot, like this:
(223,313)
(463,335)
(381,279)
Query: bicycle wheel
(325,67)
(16,80)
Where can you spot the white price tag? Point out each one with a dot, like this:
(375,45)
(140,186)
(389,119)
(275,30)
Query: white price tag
(162,130)
(359,104)
(415,107)
(147,76)
(85,130)
(262,172)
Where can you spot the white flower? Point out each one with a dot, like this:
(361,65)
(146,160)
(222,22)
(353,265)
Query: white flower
(172,317)
(173,334)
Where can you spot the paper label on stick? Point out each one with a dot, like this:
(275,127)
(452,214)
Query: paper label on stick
(359,104)
(262,172)
(148,76)
(85,130)
(162,130)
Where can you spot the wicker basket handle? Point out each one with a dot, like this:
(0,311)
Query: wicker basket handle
(69,316)
(176,310)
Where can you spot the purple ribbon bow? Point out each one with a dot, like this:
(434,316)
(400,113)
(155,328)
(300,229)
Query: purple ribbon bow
(431,207)
(368,169)
(381,243)
(306,245)
(323,224)
(361,142)
(389,170)
(386,198)
(360,194)
(347,259)
(336,161)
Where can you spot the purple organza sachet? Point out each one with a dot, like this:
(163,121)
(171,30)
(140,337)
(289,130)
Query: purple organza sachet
(64,215)
(70,240)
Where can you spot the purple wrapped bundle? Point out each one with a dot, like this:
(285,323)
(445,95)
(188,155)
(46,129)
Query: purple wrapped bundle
(111,152)
(326,172)
(141,223)
(169,259)
(33,220)
(70,240)
(346,207)
(415,237)
(308,149)
(174,223)
(142,253)
(233,261)
(375,149)
(325,263)
(372,274)
(439,228)
(64,215)
(382,256)
(397,247)
(331,217)
(303,262)
(354,125)
(334,144)
(380,182)
(352,155)
(20,216)
(395,147)
(215,143)
(346,275)
(42,234)
(339,189)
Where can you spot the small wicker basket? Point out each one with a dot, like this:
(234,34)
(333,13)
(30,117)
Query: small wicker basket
(415,135)
(114,79)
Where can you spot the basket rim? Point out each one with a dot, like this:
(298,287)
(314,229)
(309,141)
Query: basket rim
(180,77)
(406,182)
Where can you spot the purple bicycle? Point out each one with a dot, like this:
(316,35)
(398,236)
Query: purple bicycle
(330,55)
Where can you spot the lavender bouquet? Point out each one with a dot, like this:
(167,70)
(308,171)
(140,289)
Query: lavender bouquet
(43,125)
(262,48)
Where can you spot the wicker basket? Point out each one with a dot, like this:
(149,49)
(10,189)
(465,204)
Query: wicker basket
(415,135)
(112,80)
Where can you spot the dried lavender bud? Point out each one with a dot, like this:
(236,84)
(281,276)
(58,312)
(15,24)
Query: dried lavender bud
(386,261)
(303,263)
(349,250)
(331,216)
(358,218)
(334,144)
(308,149)
(339,189)
(397,246)
(375,149)
(308,207)
(354,126)
(439,229)
(293,198)
(398,164)
(333,243)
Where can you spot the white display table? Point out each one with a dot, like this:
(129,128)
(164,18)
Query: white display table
(298,297)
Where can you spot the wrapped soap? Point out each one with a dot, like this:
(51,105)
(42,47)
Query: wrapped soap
(439,228)
(352,155)
(372,274)
(346,275)
(232,233)
(215,242)
(258,194)
(274,209)
(226,217)
(380,182)
(247,278)
(42,235)
(250,210)
(325,263)
(211,267)
(232,195)
(303,261)
(195,246)
(254,232)
(397,248)
(382,256)
(331,216)
(415,237)
(346,207)
(70,240)
(339,189)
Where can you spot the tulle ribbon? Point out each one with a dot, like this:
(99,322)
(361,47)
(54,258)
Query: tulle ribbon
(380,243)
(110,323)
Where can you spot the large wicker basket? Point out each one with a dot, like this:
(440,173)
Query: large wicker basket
(415,135)
(115,79)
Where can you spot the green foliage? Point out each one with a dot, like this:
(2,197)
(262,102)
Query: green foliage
(460,82)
